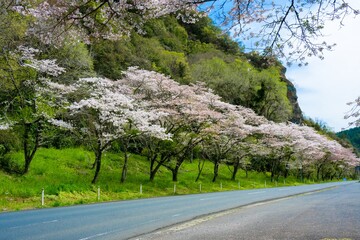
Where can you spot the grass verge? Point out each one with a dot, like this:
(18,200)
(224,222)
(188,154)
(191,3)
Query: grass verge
(65,175)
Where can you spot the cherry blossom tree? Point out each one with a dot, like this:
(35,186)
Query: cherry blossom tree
(354,112)
(186,117)
(306,147)
(29,99)
(105,113)
(323,153)
(227,134)
(107,19)
(290,29)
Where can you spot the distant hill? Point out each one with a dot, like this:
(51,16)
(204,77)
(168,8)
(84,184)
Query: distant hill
(353,135)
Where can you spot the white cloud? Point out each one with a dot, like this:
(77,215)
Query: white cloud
(325,86)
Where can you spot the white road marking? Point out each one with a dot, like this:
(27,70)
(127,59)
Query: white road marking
(34,224)
(95,236)
(257,192)
(203,199)
(176,215)
(52,221)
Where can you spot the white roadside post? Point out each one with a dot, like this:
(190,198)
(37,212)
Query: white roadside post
(43,197)
(140,188)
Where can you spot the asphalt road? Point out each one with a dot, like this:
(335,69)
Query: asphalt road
(126,219)
(327,215)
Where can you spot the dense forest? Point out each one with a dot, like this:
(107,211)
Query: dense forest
(173,93)
(352,135)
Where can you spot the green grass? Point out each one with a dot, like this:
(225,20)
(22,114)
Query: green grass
(65,175)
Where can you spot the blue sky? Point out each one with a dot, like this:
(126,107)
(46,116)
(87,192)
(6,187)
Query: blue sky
(325,86)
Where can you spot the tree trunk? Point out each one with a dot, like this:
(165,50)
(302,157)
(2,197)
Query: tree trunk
(27,164)
(236,168)
(286,173)
(29,153)
(152,162)
(126,143)
(272,172)
(174,175)
(318,172)
(154,171)
(200,168)
(216,171)
(175,172)
(97,165)
(125,166)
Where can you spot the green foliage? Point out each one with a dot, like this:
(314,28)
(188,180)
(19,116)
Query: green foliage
(205,31)
(76,59)
(239,83)
(272,101)
(112,57)
(12,29)
(173,64)
(352,135)
(169,32)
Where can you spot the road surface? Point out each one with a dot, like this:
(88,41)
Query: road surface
(327,215)
(126,219)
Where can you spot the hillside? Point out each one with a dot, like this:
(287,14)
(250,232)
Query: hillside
(201,52)
(352,135)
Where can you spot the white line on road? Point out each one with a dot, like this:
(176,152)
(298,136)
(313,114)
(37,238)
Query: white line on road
(34,224)
(176,215)
(96,235)
(154,220)
(284,189)
(257,192)
(203,199)
(52,221)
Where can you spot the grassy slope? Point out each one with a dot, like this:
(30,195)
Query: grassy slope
(66,174)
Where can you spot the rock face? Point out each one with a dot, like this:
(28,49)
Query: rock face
(293,98)
(291,94)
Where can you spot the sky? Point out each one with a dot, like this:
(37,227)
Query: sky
(325,86)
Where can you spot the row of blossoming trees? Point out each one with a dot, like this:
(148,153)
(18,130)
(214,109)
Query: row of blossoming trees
(170,122)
